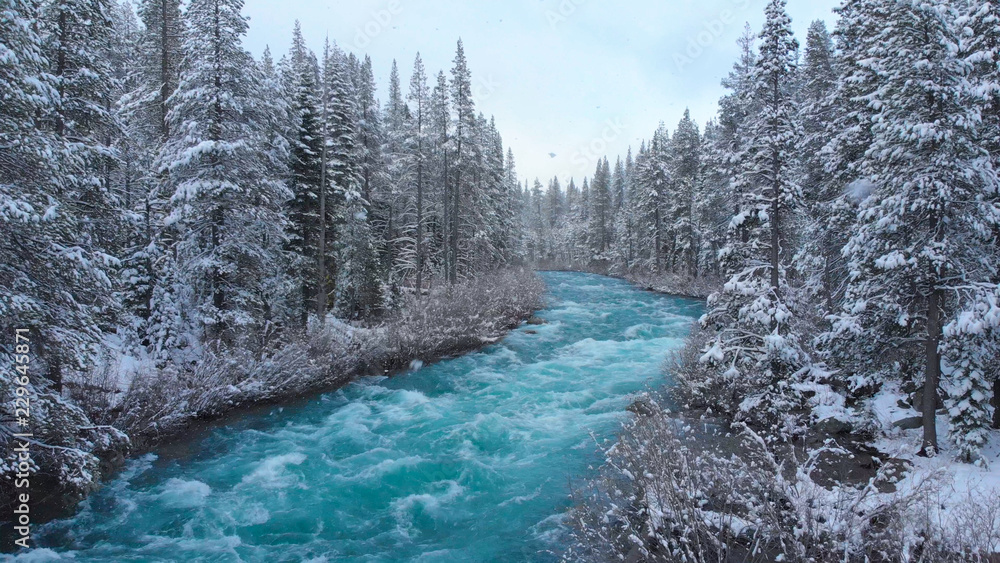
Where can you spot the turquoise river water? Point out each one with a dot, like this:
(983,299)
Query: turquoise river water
(467,460)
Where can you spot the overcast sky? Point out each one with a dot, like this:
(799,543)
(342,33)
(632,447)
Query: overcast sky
(572,78)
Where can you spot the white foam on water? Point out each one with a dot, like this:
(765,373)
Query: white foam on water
(41,555)
(254,514)
(273,473)
(387,467)
(181,493)
(638,331)
(428,502)
(219,545)
(437,555)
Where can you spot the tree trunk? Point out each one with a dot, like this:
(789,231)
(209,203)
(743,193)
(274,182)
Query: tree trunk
(446,214)
(217,277)
(932,373)
(996,403)
(775,227)
(656,239)
(456,194)
(420,211)
(321,259)
(164,70)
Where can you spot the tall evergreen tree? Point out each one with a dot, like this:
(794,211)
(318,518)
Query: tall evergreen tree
(226,203)
(54,277)
(420,98)
(686,166)
(465,152)
(922,249)
(307,107)
(351,140)
(751,316)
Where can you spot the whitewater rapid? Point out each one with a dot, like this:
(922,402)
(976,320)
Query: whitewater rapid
(470,459)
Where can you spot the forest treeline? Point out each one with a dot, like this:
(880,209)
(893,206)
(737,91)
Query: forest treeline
(846,200)
(168,201)
(844,203)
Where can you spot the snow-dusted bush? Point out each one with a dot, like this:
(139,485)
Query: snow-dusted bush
(451,319)
(678,490)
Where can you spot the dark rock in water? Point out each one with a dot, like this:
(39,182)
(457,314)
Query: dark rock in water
(911,423)
(535,321)
(832,426)
(531,332)
(641,407)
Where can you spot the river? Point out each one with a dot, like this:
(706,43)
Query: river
(470,459)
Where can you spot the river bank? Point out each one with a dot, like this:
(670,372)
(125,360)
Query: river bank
(836,476)
(154,408)
(672,284)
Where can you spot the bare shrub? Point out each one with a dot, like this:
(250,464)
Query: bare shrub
(674,490)
(450,320)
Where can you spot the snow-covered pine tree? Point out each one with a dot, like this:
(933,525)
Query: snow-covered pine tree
(713,200)
(818,80)
(162,50)
(922,257)
(601,202)
(651,187)
(75,37)
(278,295)
(685,169)
(819,258)
(555,214)
(52,281)
(982,50)
(491,210)
(394,213)
(465,155)
(352,137)
(510,210)
(227,203)
(618,185)
(305,166)
(369,134)
(149,65)
(133,146)
(753,345)
(735,111)
(418,145)
(537,222)
(574,230)
(624,245)
(441,136)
